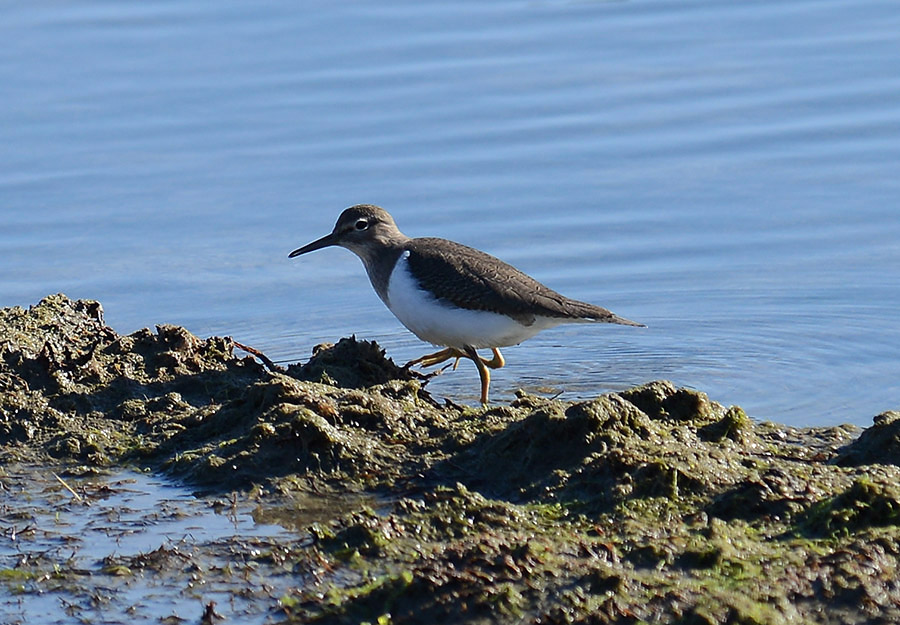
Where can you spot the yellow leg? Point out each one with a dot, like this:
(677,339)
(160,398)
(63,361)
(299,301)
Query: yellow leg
(482,364)
(429,360)
(496,362)
(483,372)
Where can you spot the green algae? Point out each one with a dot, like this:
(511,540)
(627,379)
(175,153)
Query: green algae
(870,501)
(880,444)
(655,504)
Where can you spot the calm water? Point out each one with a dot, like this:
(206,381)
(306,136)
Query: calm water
(122,520)
(728,173)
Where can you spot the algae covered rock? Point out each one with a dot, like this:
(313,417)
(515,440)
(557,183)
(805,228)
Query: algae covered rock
(350,364)
(879,444)
(77,390)
(651,505)
(870,501)
(662,400)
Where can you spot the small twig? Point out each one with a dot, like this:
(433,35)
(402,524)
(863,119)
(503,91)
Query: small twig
(68,488)
(271,366)
(209,612)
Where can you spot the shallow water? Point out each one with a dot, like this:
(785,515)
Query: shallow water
(723,172)
(125,547)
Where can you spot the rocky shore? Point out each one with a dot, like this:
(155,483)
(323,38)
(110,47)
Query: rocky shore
(652,505)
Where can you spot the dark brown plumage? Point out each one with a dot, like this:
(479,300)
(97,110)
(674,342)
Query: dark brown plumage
(469,278)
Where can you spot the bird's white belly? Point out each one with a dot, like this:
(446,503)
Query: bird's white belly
(443,324)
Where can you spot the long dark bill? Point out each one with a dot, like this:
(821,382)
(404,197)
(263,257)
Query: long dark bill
(326,241)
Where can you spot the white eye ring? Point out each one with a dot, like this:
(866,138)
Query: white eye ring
(362,224)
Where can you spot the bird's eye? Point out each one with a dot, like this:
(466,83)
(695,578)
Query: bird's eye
(362,224)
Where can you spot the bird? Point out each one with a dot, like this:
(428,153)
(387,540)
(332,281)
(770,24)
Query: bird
(451,295)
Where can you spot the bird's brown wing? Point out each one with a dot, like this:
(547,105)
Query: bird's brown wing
(469,278)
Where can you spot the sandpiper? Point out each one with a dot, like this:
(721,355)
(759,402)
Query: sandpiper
(451,295)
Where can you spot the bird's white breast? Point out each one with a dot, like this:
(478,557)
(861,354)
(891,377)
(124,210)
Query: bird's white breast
(442,324)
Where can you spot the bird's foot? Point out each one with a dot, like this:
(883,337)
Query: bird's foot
(496,362)
(429,360)
(483,364)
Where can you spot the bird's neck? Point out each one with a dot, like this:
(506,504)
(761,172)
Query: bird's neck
(380,262)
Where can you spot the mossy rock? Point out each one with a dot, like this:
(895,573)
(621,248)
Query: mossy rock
(866,504)
(878,444)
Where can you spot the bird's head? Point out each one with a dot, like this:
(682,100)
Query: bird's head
(363,229)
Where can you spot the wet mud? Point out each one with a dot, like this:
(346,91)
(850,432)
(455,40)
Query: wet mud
(651,505)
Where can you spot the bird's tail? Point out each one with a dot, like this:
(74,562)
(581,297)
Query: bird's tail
(625,322)
(589,312)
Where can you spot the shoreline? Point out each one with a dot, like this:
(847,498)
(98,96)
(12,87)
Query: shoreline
(653,504)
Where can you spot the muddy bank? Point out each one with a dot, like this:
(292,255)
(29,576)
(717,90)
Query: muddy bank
(650,505)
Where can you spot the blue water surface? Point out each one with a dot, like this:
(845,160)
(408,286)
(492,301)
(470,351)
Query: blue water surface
(727,173)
